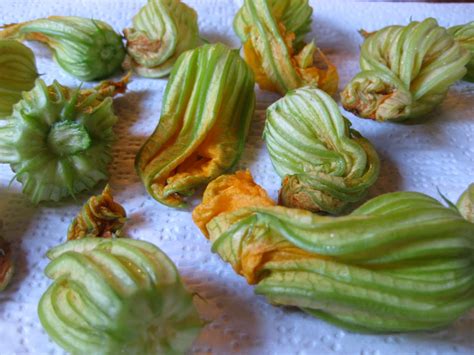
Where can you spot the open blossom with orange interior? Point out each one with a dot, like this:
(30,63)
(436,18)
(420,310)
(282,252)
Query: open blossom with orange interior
(272,33)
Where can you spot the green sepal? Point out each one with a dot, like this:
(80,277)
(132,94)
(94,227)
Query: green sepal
(58,140)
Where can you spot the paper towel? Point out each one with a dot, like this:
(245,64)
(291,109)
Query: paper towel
(438,153)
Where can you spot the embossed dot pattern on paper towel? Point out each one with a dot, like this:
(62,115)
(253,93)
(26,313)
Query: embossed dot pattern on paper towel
(422,157)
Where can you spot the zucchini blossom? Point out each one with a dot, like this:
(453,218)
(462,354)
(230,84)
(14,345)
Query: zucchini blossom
(325,164)
(162,30)
(229,193)
(272,33)
(85,48)
(400,262)
(406,71)
(100,217)
(58,140)
(17,73)
(116,296)
(206,111)
(464,35)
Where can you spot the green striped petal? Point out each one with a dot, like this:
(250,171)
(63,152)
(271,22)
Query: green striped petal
(406,71)
(325,164)
(112,296)
(162,30)
(206,111)
(17,74)
(85,48)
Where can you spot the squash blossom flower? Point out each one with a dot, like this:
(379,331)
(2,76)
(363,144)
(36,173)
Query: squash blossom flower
(17,74)
(324,163)
(206,112)
(116,296)
(406,71)
(58,140)
(272,33)
(87,49)
(400,262)
(162,30)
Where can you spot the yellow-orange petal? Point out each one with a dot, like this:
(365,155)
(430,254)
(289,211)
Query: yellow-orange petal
(228,193)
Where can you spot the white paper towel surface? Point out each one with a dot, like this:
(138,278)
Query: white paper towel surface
(437,153)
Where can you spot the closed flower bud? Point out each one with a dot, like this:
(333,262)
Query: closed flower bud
(325,165)
(17,73)
(406,71)
(162,30)
(85,48)
(116,296)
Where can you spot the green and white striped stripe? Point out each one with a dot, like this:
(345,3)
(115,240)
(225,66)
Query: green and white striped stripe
(85,48)
(406,71)
(400,262)
(113,296)
(327,164)
(206,112)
